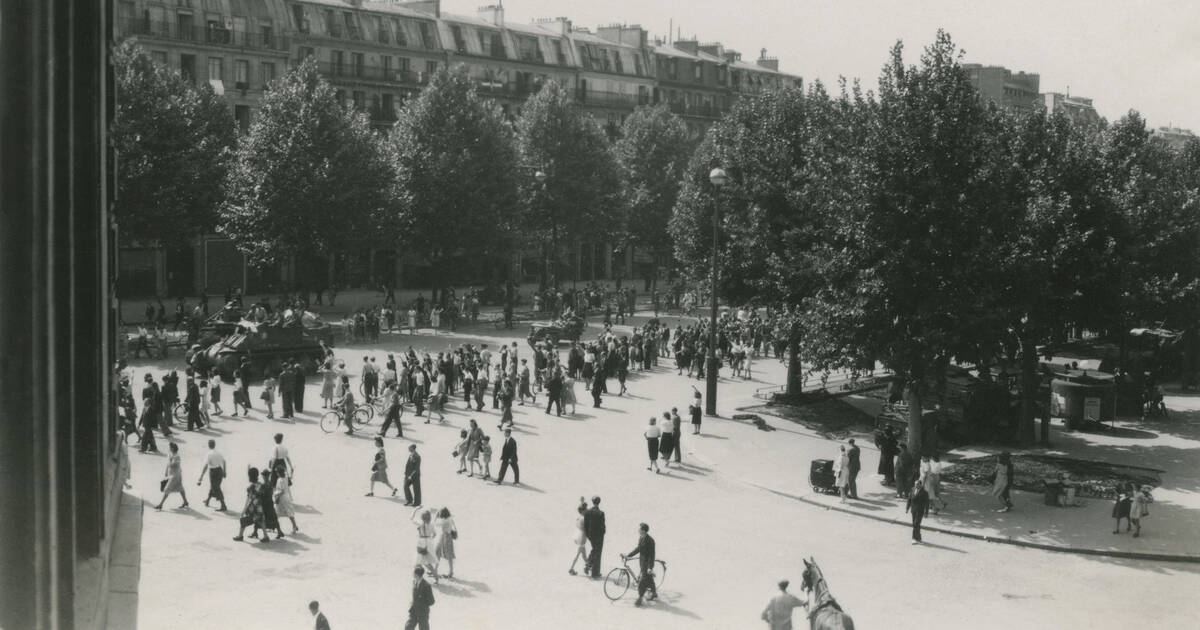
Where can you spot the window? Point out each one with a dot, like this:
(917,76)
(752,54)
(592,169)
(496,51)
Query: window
(459,44)
(239,29)
(673,68)
(351,27)
(187,67)
(360,99)
(241,73)
(559,54)
(585,57)
(604,61)
(401,37)
(159,57)
(306,52)
(241,113)
(186,26)
(331,26)
(697,71)
(268,72)
(356,60)
(215,31)
(405,64)
(430,69)
(301,21)
(337,60)
(637,64)
(427,39)
(216,69)
(387,67)
(389,107)
(266,35)
(158,20)
(340,95)
(617,61)
(720,75)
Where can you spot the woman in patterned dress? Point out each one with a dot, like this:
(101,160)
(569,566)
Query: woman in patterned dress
(379,468)
(251,512)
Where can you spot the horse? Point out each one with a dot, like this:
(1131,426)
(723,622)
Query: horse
(824,613)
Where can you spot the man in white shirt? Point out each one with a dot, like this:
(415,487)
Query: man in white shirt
(215,465)
(778,613)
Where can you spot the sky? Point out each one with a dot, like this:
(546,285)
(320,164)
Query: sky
(1124,54)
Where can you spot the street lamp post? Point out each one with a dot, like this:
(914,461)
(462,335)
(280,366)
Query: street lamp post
(719,178)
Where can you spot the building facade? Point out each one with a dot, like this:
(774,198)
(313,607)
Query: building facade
(1079,109)
(1003,87)
(1174,137)
(378,54)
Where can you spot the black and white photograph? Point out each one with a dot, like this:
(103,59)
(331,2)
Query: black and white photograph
(663,314)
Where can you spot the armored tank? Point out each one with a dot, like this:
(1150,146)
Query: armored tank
(550,333)
(267,345)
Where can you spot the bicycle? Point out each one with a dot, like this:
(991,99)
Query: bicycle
(621,578)
(335,418)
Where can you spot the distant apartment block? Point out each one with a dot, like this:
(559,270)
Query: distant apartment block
(1018,91)
(1173,136)
(1077,108)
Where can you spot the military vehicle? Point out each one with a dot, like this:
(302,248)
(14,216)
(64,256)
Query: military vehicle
(267,345)
(550,333)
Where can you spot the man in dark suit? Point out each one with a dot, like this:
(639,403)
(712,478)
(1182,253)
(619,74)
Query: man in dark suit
(298,396)
(508,457)
(644,552)
(320,623)
(597,384)
(287,389)
(151,411)
(412,477)
(554,388)
(422,599)
(593,527)
(852,455)
(193,404)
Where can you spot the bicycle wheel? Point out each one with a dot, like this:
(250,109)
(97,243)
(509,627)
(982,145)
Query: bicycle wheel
(362,416)
(362,389)
(660,576)
(180,412)
(330,421)
(616,583)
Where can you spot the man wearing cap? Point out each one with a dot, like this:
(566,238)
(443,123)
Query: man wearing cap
(193,404)
(778,613)
(508,456)
(644,552)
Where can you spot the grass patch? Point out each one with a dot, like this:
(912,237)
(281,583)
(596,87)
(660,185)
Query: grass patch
(832,418)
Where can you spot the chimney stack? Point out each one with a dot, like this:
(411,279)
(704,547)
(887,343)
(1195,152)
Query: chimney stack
(493,14)
(770,63)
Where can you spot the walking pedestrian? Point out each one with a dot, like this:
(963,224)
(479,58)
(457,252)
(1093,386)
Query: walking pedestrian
(297,388)
(268,395)
(485,453)
(287,390)
(252,514)
(283,496)
(412,477)
(778,613)
(652,434)
(580,537)
(594,527)
(474,441)
(192,401)
(320,622)
(1121,507)
(151,412)
(379,468)
(508,457)
(568,393)
(422,593)
(328,383)
(917,505)
(842,470)
(666,441)
(214,393)
(886,442)
(677,432)
(172,478)
(391,398)
(214,464)
(598,386)
(426,535)
(448,533)
(280,456)
(853,457)
(1139,508)
(1002,481)
(645,553)
(266,498)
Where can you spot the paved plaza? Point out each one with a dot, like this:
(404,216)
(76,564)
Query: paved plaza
(737,516)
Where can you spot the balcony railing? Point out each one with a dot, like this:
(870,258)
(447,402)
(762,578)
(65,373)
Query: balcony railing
(204,34)
(697,109)
(611,99)
(510,90)
(371,73)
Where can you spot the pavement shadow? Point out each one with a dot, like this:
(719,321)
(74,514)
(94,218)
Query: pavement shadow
(475,586)
(300,535)
(666,602)
(286,546)
(710,436)
(525,486)
(926,543)
(666,472)
(445,588)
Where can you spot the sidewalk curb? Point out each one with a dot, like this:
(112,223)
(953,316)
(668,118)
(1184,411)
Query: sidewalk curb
(1129,555)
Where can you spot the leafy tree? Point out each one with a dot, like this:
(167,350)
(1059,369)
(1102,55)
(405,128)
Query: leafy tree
(580,198)
(455,163)
(652,152)
(903,274)
(785,154)
(309,178)
(172,141)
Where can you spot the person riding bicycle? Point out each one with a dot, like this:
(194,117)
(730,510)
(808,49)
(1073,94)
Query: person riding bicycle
(346,405)
(644,552)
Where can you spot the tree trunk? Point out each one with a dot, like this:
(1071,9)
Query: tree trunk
(1026,427)
(793,368)
(915,420)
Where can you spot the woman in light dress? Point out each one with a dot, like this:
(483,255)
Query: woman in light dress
(173,476)
(328,384)
(580,537)
(283,495)
(842,470)
(268,395)
(448,532)
(1002,481)
(426,536)
(568,393)
(931,478)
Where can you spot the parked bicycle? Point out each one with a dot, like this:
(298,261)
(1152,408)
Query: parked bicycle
(335,418)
